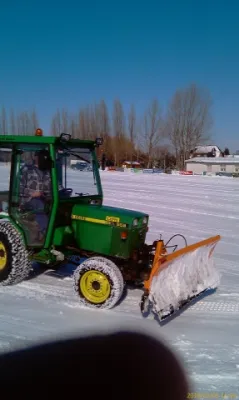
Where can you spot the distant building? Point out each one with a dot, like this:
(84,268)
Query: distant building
(205,151)
(200,165)
(129,164)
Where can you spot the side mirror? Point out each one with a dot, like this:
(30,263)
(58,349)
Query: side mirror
(99,142)
(64,137)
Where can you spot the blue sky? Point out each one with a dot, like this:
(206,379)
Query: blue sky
(75,53)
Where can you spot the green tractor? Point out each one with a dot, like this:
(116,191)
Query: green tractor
(63,222)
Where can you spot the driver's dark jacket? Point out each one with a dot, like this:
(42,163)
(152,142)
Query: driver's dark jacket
(34,180)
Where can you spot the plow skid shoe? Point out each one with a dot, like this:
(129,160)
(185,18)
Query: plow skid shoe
(185,275)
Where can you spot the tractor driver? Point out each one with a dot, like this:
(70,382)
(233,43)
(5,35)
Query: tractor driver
(35,187)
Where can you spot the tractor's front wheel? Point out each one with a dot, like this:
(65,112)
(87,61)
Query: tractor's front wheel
(14,261)
(99,283)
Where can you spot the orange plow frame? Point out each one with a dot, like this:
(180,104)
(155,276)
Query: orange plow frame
(161,255)
(162,259)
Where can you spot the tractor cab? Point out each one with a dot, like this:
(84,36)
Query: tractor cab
(40,196)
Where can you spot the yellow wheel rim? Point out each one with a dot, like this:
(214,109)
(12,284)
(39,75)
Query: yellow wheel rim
(3,256)
(95,287)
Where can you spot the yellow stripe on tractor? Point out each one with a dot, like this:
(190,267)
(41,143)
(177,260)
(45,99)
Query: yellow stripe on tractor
(108,221)
(177,278)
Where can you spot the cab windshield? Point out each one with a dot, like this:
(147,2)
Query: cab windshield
(77,172)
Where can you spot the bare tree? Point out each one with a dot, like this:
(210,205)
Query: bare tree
(103,120)
(24,126)
(34,123)
(103,126)
(4,122)
(119,131)
(82,124)
(132,131)
(118,119)
(188,121)
(86,127)
(152,130)
(56,124)
(65,120)
(24,123)
(12,122)
(93,122)
(73,129)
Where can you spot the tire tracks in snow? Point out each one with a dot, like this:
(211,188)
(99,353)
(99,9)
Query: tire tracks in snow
(63,293)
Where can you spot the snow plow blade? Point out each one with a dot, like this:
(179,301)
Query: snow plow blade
(176,279)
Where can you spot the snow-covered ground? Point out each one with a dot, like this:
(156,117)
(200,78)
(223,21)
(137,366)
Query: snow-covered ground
(205,336)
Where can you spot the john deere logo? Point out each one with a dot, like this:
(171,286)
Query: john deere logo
(112,219)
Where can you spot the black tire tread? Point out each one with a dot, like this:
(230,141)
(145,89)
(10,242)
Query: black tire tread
(20,263)
(105,265)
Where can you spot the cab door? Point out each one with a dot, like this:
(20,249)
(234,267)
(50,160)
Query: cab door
(30,210)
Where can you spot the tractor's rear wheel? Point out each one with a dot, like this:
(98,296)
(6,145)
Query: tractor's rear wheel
(99,283)
(14,260)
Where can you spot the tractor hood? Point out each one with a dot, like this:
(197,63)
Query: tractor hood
(107,215)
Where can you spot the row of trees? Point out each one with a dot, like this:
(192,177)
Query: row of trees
(152,138)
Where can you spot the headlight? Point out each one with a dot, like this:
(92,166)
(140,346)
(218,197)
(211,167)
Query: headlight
(145,220)
(135,222)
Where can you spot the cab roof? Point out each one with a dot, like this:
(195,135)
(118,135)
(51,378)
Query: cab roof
(9,140)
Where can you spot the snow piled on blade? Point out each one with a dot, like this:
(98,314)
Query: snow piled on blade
(182,278)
